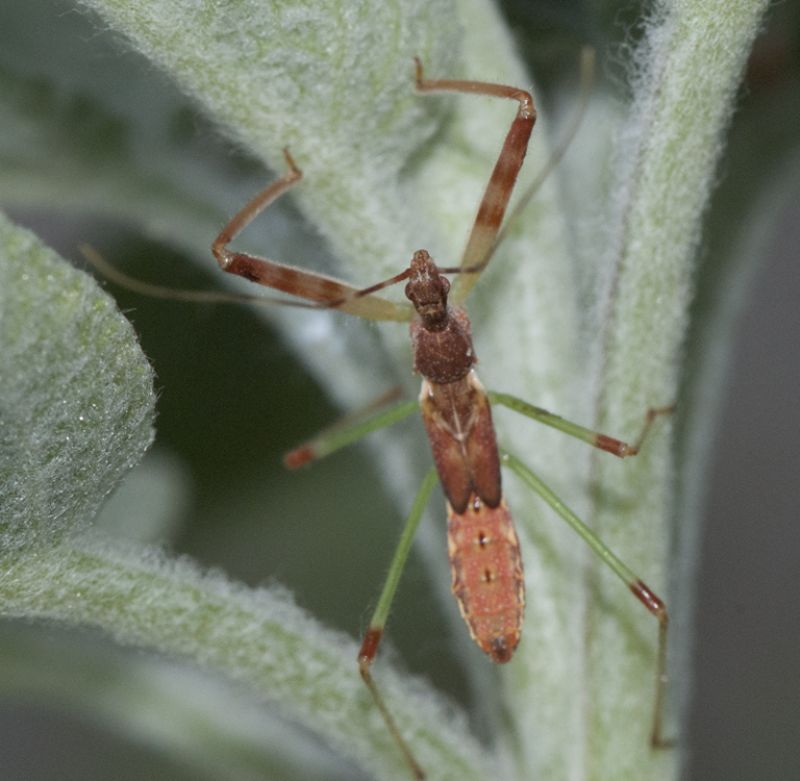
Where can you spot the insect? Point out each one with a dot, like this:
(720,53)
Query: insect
(484,553)
(483,549)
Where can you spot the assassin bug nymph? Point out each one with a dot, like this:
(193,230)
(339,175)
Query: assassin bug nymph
(483,548)
(485,560)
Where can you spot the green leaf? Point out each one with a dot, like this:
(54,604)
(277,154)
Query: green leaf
(690,64)
(257,637)
(184,716)
(76,393)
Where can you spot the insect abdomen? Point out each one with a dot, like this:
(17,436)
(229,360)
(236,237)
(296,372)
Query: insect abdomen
(486,569)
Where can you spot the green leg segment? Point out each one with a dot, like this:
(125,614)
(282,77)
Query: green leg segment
(369,646)
(347,431)
(637,586)
(611,445)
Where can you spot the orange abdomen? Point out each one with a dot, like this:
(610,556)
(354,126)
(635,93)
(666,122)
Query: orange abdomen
(486,569)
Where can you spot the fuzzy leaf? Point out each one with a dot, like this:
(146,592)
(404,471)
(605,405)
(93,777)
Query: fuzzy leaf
(76,393)
(190,718)
(256,637)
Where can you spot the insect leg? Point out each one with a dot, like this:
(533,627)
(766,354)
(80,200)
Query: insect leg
(352,428)
(635,584)
(594,438)
(321,289)
(501,182)
(372,637)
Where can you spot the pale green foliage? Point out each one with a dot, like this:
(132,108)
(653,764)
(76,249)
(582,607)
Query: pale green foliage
(386,172)
(76,393)
(257,637)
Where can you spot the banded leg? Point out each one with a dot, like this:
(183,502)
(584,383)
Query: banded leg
(594,438)
(495,198)
(343,433)
(333,293)
(353,427)
(557,154)
(323,290)
(103,267)
(501,183)
(374,633)
(634,583)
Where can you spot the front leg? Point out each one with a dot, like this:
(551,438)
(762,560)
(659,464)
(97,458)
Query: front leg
(322,290)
